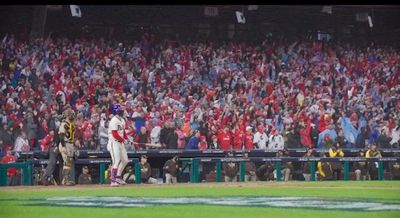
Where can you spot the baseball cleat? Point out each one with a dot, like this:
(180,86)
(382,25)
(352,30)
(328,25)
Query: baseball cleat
(69,183)
(120,181)
(114,184)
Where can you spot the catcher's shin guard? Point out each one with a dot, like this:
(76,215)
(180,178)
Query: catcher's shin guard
(67,177)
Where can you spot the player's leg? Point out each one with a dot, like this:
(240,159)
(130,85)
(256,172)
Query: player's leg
(226,178)
(358,174)
(64,157)
(307,176)
(174,179)
(167,178)
(122,164)
(286,173)
(109,149)
(51,165)
(70,161)
(116,159)
(124,160)
(67,160)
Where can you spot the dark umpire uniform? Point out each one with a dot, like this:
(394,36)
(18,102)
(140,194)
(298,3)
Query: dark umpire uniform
(54,156)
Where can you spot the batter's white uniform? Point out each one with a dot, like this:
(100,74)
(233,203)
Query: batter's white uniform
(117,149)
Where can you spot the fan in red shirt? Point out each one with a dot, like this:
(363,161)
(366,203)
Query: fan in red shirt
(324,120)
(11,172)
(305,136)
(238,139)
(225,139)
(203,143)
(87,129)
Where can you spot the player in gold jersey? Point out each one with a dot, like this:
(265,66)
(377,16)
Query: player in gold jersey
(373,166)
(66,147)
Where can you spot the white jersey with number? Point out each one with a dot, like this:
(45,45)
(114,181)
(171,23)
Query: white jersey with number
(261,140)
(276,142)
(117,150)
(116,123)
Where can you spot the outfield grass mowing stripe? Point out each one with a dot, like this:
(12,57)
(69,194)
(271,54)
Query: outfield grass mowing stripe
(390,189)
(192,211)
(378,191)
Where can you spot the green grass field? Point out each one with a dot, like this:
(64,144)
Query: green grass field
(13,200)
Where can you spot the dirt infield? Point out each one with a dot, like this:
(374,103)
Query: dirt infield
(289,185)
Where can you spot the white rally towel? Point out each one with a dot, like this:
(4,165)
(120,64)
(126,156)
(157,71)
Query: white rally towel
(370,22)
(75,11)
(5,39)
(240,17)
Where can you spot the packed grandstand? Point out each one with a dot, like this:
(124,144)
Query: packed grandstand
(300,93)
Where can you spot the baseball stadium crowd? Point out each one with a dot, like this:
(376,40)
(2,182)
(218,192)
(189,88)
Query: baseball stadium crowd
(200,94)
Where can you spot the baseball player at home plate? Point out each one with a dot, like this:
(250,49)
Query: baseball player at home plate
(116,145)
